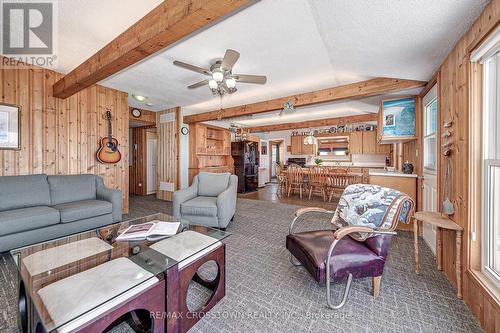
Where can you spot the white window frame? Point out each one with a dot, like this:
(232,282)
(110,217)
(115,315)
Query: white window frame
(489,209)
(491,159)
(426,136)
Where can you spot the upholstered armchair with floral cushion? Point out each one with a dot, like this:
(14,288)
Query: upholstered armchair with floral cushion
(358,244)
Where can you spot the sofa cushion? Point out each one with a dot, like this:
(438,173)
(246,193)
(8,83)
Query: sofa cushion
(200,206)
(212,184)
(23,191)
(71,188)
(79,210)
(24,219)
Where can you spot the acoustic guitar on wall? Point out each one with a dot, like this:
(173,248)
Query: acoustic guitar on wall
(108,150)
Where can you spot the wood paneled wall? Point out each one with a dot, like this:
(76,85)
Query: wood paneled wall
(454,89)
(148,117)
(168,152)
(62,136)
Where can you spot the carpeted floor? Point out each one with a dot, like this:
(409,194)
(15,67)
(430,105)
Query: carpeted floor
(265,293)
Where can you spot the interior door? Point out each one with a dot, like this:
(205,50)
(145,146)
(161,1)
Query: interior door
(152,169)
(430,158)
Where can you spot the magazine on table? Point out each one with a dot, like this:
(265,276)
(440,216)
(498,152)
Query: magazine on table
(151,231)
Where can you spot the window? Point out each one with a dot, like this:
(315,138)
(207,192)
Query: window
(430,127)
(491,167)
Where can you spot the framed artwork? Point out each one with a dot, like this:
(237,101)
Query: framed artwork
(263,148)
(10,126)
(397,119)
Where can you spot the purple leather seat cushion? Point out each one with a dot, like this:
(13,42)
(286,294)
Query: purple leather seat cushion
(349,256)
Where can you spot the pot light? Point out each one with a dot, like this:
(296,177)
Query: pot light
(218,76)
(149,104)
(212,84)
(139,98)
(230,83)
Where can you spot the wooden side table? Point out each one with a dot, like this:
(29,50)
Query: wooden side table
(441,222)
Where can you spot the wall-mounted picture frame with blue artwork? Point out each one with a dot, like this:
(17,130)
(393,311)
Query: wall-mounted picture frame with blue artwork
(397,119)
(10,126)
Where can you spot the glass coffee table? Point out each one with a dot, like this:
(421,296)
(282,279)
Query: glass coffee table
(90,282)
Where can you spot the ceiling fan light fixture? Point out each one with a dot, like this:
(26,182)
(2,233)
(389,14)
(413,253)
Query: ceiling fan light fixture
(212,84)
(218,76)
(230,83)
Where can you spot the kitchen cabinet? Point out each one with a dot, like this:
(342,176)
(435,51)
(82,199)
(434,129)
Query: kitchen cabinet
(356,143)
(297,143)
(385,149)
(369,142)
(299,148)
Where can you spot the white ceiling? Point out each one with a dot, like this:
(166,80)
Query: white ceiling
(319,111)
(301,45)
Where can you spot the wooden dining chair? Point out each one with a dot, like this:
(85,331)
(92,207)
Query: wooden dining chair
(295,179)
(317,181)
(281,177)
(338,181)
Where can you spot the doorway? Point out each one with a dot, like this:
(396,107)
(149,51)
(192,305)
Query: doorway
(275,156)
(152,158)
(144,157)
(430,161)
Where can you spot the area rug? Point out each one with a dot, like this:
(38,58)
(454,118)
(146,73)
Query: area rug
(265,293)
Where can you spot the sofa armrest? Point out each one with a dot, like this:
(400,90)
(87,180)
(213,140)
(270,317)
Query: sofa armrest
(184,195)
(226,201)
(111,195)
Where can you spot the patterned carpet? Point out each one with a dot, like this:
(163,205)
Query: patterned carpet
(265,293)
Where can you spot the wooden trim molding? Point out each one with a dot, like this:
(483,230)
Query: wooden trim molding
(168,23)
(315,123)
(366,88)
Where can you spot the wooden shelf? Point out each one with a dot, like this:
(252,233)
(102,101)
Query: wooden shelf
(209,149)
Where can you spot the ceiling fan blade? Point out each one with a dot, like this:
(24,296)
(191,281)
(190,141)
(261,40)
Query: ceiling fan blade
(257,79)
(198,84)
(192,68)
(229,60)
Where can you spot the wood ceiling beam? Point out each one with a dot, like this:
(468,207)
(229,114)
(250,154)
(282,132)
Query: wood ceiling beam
(168,23)
(316,123)
(366,88)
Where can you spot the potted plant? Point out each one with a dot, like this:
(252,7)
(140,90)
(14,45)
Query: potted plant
(318,161)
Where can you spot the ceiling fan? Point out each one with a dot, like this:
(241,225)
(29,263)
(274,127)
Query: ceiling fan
(222,80)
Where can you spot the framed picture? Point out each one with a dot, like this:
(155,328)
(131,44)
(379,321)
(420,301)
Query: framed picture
(10,126)
(263,148)
(397,119)
(389,120)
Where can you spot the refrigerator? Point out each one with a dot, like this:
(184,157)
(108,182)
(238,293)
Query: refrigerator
(246,165)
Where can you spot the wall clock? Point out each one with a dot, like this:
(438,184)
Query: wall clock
(136,113)
(184,130)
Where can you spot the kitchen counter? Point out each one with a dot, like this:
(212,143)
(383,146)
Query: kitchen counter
(382,172)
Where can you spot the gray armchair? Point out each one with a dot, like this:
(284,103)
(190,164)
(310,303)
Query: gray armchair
(210,200)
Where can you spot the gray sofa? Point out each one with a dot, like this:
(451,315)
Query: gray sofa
(37,208)
(209,201)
